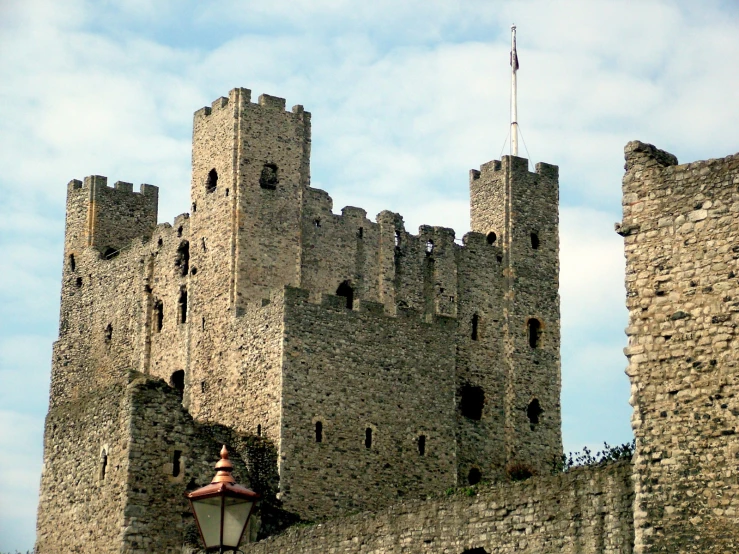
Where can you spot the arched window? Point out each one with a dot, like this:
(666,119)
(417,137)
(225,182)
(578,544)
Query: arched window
(533,411)
(533,326)
(492,237)
(269,179)
(178,380)
(346,290)
(319,431)
(471,402)
(211,182)
(474,476)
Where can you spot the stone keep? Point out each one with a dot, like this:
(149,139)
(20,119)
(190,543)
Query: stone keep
(348,363)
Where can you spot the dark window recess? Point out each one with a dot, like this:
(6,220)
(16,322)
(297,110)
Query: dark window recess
(259,430)
(319,431)
(475,551)
(202,240)
(368,437)
(182,305)
(72,264)
(533,411)
(78,282)
(317,223)
(182,258)
(160,242)
(471,402)
(176,462)
(202,387)
(499,258)
(179,231)
(226,192)
(110,253)
(534,332)
(178,380)
(534,241)
(158,315)
(346,290)
(108,333)
(397,239)
(429,247)
(103,464)
(475,325)
(269,179)
(360,233)
(212,181)
(422,445)
(194,207)
(474,476)
(492,237)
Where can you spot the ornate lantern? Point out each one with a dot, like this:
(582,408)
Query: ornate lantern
(222,509)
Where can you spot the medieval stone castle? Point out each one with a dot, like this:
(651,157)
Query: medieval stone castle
(357,370)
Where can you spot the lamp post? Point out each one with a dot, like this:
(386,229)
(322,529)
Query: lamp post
(222,509)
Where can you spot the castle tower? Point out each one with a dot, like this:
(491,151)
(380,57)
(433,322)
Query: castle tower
(517,210)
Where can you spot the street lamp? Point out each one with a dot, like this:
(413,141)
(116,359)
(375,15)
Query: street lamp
(222,509)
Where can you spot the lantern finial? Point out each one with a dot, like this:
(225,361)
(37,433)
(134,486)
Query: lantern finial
(224,467)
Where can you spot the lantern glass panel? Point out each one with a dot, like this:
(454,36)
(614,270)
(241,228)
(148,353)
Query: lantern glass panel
(208,512)
(236,513)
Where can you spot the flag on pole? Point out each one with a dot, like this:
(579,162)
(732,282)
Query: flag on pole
(514,56)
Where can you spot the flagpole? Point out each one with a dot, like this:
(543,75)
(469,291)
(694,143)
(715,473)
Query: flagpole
(514,106)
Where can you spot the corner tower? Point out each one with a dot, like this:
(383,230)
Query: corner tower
(518,210)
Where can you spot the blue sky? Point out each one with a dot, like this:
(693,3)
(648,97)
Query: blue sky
(406,97)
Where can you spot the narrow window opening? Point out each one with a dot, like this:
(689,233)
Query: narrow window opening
(397,239)
(499,258)
(259,430)
(534,241)
(212,181)
(103,464)
(108,333)
(179,231)
(317,223)
(110,253)
(160,242)
(178,380)
(475,323)
(194,271)
(202,240)
(202,324)
(534,332)
(474,476)
(368,437)
(346,290)
(202,387)
(422,445)
(194,207)
(182,258)
(472,400)
(72,264)
(269,179)
(182,305)
(533,411)
(429,247)
(158,315)
(78,282)
(319,431)
(227,191)
(176,462)
(360,232)
(492,237)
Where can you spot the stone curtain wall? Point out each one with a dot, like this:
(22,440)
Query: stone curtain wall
(681,234)
(587,510)
(354,370)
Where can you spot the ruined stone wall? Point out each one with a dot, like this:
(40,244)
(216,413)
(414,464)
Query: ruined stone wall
(356,372)
(680,229)
(585,510)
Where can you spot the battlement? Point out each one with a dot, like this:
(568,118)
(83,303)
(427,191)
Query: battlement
(97,185)
(264,101)
(513,163)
